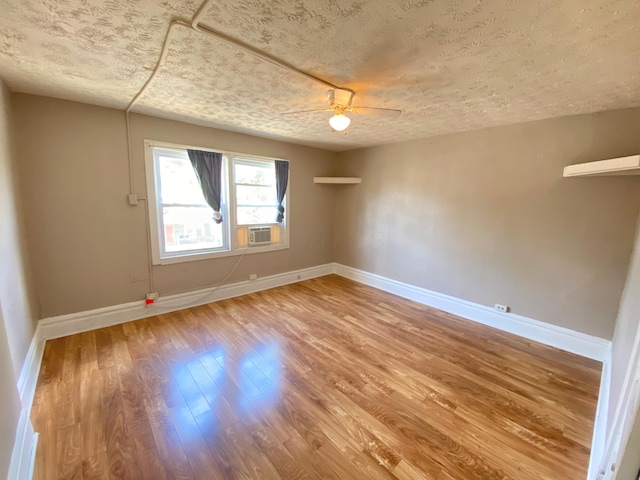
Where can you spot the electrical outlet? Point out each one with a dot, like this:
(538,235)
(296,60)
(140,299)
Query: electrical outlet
(151,298)
(502,308)
(253,276)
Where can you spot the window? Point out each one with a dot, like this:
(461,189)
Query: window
(254,185)
(181,221)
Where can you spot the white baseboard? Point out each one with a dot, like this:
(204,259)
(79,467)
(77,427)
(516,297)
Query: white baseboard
(24,449)
(626,409)
(555,336)
(618,438)
(30,370)
(552,335)
(64,325)
(575,342)
(599,439)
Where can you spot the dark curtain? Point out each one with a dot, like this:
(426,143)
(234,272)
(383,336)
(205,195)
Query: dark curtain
(208,168)
(282,180)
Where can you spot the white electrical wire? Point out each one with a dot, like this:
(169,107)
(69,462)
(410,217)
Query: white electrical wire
(201,299)
(199,14)
(148,227)
(194,25)
(260,54)
(163,55)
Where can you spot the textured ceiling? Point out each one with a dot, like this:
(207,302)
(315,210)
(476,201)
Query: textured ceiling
(449,65)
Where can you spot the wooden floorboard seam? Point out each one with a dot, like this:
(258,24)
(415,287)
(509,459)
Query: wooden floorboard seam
(325,378)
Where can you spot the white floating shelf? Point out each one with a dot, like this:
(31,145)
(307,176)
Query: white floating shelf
(338,180)
(614,166)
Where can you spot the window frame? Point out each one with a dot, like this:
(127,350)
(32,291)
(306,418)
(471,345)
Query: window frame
(228,209)
(233,160)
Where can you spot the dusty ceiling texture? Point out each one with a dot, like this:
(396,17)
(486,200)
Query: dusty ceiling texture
(449,65)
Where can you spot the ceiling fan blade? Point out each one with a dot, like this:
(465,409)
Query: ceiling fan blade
(380,112)
(308,111)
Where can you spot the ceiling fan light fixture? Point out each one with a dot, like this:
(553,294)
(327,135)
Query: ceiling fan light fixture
(339,122)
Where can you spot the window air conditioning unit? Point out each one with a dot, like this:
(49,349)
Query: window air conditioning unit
(259,235)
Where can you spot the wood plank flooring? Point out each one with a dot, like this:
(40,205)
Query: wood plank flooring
(322,379)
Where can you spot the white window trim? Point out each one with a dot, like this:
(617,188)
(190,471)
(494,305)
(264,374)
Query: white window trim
(228,214)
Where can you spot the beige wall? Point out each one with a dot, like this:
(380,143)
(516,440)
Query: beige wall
(16,297)
(486,216)
(16,326)
(88,245)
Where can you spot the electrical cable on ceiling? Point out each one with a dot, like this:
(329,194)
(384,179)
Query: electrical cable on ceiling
(194,25)
(200,13)
(262,55)
(163,55)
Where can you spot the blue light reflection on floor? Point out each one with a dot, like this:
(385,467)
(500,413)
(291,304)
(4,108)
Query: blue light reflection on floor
(261,390)
(204,379)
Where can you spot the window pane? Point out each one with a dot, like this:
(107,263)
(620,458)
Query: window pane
(264,196)
(255,174)
(190,228)
(178,181)
(256,215)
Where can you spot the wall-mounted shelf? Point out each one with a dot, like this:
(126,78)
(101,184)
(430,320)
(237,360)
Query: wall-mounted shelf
(338,180)
(614,166)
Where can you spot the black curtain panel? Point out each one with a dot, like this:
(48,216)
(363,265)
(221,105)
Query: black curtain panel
(282,180)
(208,168)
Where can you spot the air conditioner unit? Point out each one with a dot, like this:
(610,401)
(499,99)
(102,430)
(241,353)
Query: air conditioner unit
(259,235)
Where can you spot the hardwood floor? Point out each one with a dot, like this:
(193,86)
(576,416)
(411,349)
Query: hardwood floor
(326,378)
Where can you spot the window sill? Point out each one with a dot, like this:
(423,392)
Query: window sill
(194,257)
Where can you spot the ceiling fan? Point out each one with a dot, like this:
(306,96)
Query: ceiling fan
(340,102)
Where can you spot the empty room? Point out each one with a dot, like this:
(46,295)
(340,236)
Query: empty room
(346,239)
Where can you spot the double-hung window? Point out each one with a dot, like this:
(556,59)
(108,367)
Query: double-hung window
(182,223)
